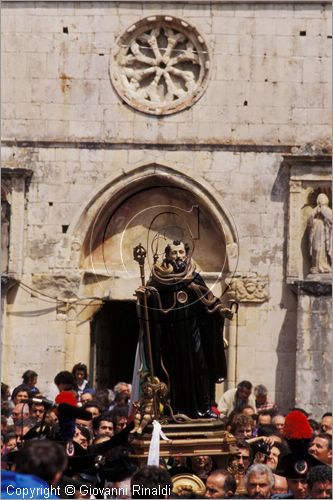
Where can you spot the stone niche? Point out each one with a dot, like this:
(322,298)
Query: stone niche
(310,177)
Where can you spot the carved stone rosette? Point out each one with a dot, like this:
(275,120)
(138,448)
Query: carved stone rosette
(248,288)
(160,65)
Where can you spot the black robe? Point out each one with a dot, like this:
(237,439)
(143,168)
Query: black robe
(188,341)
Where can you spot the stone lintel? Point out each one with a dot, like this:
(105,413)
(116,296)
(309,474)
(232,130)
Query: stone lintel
(312,286)
(16,172)
(314,160)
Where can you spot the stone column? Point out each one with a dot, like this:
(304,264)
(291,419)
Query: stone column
(313,338)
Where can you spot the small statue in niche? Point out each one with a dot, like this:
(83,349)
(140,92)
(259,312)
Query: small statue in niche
(320,236)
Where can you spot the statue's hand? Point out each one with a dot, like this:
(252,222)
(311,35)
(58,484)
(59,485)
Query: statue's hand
(226,312)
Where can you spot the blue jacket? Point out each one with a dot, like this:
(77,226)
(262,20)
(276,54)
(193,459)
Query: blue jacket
(14,485)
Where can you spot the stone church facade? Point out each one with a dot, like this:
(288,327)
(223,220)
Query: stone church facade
(135,122)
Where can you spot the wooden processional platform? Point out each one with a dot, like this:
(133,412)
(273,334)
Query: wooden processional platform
(188,439)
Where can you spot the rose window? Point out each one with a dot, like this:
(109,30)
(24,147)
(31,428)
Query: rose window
(160,65)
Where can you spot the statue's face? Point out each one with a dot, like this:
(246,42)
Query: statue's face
(322,199)
(177,252)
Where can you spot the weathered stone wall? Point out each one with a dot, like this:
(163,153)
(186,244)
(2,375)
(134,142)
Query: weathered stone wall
(268,93)
(314,347)
(269,80)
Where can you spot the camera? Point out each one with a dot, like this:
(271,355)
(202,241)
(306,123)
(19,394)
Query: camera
(261,447)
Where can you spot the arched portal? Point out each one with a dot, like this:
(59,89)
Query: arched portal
(150,205)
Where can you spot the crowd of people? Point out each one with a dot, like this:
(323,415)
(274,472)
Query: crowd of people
(80,446)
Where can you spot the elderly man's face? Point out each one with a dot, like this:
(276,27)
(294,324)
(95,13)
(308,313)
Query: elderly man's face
(258,486)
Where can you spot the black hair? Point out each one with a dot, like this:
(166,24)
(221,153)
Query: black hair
(319,473)
(67,379)
(41,458)
(327,414)
(146,479)
(314,424)
(92,404)
(177,243)
(267,430)
(81,367)
(107,417)
(245,384)
(28,375)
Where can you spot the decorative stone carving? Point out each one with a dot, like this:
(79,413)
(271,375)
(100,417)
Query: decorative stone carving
(248,288)
(160,65)
(320,236)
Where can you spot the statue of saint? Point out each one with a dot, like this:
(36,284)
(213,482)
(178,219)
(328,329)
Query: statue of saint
(320,236)
(186,330)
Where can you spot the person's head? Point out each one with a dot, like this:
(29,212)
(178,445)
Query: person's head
(315,426)
(86,397)
(122,388)
(248,410)
(85,423)
(201,465)
(20,411)
(321,448)
(278,421)
(42,458)
(37,411)
(242,426)
(177,250)
(82,436)
(280,485)
(264,418)
(260,393)
(244,389)
(10,441)
(30,378)
(65,381)
(326,422)
(298,487)
(103,426)
(320,482)
(241,460)
(20,395)
(21,427)
(52,417)
(80,373)
(259,481)
(93,407)
(274,455)
(5,392)
(220,484)
(121,399)
(120,418)
(147,480)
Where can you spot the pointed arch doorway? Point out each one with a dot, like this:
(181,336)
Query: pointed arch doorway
(114,336)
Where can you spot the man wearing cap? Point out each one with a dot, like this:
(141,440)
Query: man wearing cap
(296,465)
